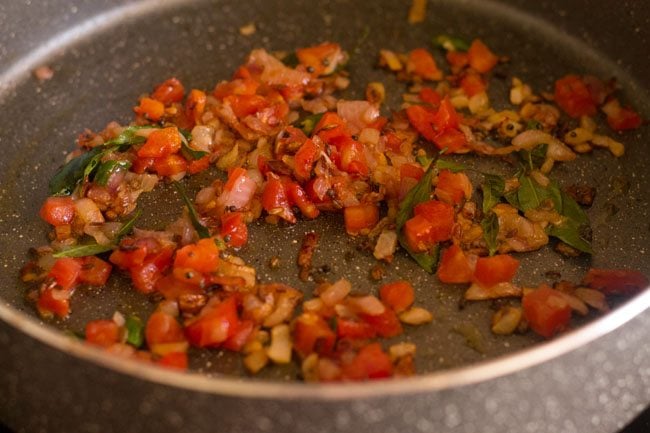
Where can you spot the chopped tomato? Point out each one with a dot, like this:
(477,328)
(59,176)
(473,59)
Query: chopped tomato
(175,360)
(103,333)
(414,171)
(422,64)
(393,141)
(621,118)
(398,295)
(202,256)
(480,57)
(214,325)
(233,229)
(371,362)
(52,301)
(195,105)
(304,159)
(299,197)
(275,200)
(616,281)
(318,58)
(131,253)
(317,190)
(170,165)
(144,276)
(246,105)
(331,128)
(58,211)
(169,91)
(385,324)
(161,143)
(66,272)
(457,59)
(430,96)
(94,271)
(421,118)
(240,86)
(360,217)
(446,116)
(546,311)
(573,96)
(312,334)
(496,269)
(452,187)
(354,329)
(417,231)
(472,84)
(151,109)
(198,165)
(454,266)
(353,158)
(432,223)
(163,328)
(241,336)
(141,165)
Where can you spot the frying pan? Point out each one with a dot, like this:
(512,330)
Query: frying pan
(104,54)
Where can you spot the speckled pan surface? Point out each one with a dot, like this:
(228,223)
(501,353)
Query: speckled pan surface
(105,54)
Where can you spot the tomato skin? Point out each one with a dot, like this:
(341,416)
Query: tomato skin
(238,86)
(144,277)
(454,266)
(360,217)
(170,165)
(202,256)
(354,329)
(240,337)
(430,96)
(446,117)
(103,333)
(298,196)
(414,171)
(371,362)
(616,281)
(163,328)
(49,304)
(195,105)
(457,59)
(452,188)
(480,57)
(214,325)
(169,91)
(316,58)
(331,129)
(66,272)
(234,229)
(352,158)
(161,143)
(275,200)
(386,325)
(433,222)
(304,159)
(421,118)
(58,211)
(573,96)
(417,231)
(151,109)
(198,165)
(174,360)
(94,271)
(472,84)
(246,105)
(312,334)
(496,269)
(398,295)
(546,311)
(422,64)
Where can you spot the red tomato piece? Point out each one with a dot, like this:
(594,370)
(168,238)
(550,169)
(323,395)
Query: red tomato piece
(453,140)
(58,211)
(163,328)
(421,118)
(175,360)
(299,197)
(480,57)
(422,64)
(240,86)
(317,189)
(371,362)
(440,215)
(246,105)
(202,256)
(496,269)
(452,187)
(312,334)
(144,277)
(360,217)
(233,229)
(546,311)
(386,325)
(454,266)
(103,333)
(417,231)
(430,96)
(457,59)
(141,165)
(170,165)
(55,302)
(237,341)
(573,96)
(216,323)
(169,91)
(304,159)
(414,171)
(472,84)
(621,118)
(198,165)
(354,329)
(94,271)
(195,105)
(398,295)
(151,109)
(66,272)
(446,117)
(353,158)
(616,281)
(275,200)
(161,143)
(318,58)
(331,129)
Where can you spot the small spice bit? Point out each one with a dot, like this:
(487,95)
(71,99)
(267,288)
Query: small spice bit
(377,272)
(506,320)
(306,254)
(274,262)
(248,29)
(416,316)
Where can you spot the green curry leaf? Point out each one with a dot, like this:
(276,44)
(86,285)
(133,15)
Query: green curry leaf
(202,230)
(493,188)
(490,226)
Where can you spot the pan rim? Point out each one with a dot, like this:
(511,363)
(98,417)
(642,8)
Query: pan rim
(483,371)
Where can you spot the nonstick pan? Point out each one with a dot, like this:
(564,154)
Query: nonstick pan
(105,54)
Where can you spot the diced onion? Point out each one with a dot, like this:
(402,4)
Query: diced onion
(336,292)
(369,305)
(416,316)
(280,349)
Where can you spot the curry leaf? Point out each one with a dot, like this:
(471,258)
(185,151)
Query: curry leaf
(570,233)
(127,226)
(186,150)
(134,331)
(428,260)
(68,176)
(490,226)
(84,250)
(493,188)
(450,43)
(534,158)
(443,164)
(202,230)
(419,193)
(309,123)
(530,194)
(107,168)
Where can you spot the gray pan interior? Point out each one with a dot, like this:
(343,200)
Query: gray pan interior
(103,59)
